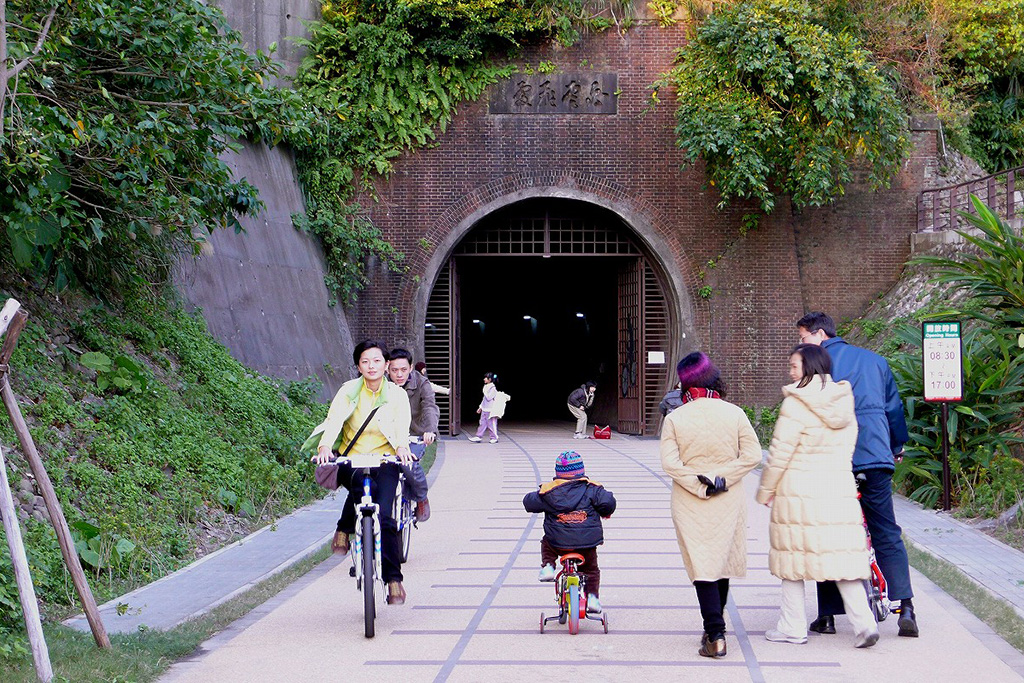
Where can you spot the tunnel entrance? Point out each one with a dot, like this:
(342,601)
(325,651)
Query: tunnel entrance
(548,294)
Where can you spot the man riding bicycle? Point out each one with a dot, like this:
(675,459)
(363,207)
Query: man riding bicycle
(423,428)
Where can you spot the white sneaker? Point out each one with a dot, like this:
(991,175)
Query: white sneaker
(577,435)
(777,636)
(494,441)
(547,573)
(475,439)
(867,639)
(593,604)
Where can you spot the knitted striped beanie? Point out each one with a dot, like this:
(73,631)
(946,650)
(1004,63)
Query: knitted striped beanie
(569,465)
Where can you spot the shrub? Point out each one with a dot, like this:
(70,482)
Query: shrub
(773,101)
(985,426)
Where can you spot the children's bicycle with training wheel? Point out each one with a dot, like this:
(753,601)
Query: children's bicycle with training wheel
(878,596)
(571,596)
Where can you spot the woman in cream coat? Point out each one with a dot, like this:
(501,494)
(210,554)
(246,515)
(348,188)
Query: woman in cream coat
(707,446)
(817,530)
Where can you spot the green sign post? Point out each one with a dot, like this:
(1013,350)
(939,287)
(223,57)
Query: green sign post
(943,375)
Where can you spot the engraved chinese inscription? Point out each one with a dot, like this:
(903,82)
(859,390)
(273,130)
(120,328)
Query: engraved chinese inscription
(556,94)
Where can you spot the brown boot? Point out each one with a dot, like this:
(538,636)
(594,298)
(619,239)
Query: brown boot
(396,594)
(712,647)
(339,545)
(423,510)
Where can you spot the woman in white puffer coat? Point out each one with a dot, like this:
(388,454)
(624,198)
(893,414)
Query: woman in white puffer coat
(817,530)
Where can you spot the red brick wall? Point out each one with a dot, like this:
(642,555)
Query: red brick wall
(836,258)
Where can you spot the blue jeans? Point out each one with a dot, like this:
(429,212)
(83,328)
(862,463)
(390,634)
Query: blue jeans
(383,482)
(886,538)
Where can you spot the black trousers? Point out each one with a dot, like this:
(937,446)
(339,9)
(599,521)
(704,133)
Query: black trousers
(886,539)
(383,483)
(712,596)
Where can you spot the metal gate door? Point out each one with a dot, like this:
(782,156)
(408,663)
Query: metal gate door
(657,377)
(441,345)
(630,376)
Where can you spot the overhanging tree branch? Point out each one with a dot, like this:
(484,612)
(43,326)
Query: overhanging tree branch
(6,74)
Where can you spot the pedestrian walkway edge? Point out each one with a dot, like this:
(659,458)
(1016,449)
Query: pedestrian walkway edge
(285,563)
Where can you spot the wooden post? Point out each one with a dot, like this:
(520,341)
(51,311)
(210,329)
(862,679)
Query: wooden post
(26,592)
(22,576)
(60,525)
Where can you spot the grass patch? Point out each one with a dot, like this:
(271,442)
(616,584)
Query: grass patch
(161,446)
(429,456)
(146,655)
(1000,616)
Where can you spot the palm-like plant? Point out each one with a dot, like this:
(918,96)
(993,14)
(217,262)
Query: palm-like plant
(986,424)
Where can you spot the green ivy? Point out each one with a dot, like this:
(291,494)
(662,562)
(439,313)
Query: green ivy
(383,79)
(774,102)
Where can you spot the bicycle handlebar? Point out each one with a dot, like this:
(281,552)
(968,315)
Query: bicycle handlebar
(361,460)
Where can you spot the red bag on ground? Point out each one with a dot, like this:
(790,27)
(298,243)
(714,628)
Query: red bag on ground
(603,432)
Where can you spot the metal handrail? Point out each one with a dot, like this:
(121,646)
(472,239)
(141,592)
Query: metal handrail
(937,208)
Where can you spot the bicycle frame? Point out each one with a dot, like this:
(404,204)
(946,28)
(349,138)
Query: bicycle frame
(367,506)
(568,576)
(877,589)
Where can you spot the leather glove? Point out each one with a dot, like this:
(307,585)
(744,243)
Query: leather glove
(714,487)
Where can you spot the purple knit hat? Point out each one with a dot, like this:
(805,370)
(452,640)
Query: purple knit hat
(696,370)
(569,465)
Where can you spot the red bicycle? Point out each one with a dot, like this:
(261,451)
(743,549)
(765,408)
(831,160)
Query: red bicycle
(878,596)
(571,596)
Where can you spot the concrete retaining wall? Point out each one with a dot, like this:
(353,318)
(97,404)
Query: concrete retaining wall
(262,293)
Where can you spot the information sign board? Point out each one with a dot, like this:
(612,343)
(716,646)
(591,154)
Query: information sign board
(943,362)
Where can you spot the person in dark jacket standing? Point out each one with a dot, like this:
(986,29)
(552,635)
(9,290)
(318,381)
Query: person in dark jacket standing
(580,400)
(573,507)
(882,431)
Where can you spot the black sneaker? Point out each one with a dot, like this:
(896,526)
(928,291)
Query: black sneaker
(823,624)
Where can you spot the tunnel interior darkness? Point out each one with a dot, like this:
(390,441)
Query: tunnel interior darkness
(545,326)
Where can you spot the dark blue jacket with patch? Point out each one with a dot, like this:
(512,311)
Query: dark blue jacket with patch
(572,509)
(881,424)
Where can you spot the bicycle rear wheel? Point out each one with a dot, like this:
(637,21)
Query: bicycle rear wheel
(574,609)
(369,606)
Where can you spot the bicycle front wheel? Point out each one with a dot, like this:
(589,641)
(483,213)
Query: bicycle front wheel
(369,607)
(574,609)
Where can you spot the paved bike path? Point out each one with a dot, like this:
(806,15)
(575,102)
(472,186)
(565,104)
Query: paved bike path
(220,576)
(474,601)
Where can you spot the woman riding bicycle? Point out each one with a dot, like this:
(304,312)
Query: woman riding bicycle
(375,414)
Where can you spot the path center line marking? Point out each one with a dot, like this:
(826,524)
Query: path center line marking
(474,623)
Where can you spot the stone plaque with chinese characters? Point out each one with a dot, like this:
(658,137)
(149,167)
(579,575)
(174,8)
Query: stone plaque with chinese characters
(562,93)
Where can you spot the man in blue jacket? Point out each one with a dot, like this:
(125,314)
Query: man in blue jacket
(881,433)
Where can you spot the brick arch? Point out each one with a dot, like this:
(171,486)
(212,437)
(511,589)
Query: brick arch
(646,224)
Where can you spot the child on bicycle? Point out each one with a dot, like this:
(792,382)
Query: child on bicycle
(573,507)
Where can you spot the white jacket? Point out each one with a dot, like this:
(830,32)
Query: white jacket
(817,531)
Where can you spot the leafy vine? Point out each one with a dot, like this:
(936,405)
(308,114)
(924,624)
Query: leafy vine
(382,80)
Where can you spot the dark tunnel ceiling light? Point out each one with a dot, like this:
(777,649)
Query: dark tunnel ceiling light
(476,321)
(527,317)
(580,315)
